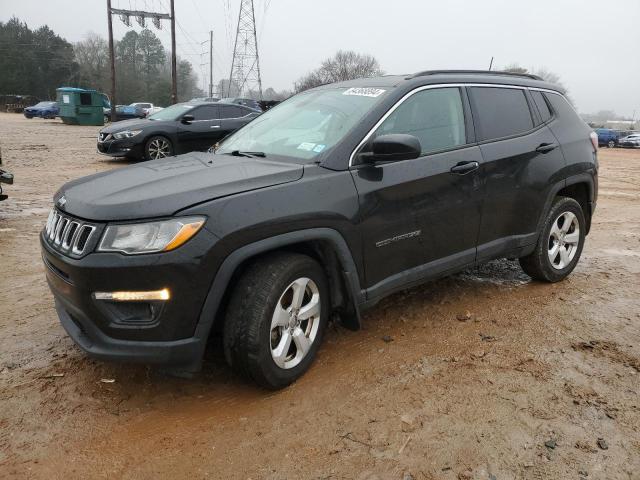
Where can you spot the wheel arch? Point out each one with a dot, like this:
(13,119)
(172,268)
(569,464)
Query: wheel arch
(581,188)
(325,245)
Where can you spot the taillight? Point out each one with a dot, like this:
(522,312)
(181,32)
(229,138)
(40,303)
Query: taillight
(594,140)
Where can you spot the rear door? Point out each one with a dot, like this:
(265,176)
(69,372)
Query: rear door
(203,131)
(521,162)
(420,217)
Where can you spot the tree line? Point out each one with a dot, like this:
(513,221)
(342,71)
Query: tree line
(36,62)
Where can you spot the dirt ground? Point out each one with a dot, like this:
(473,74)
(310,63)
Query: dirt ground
(541,382)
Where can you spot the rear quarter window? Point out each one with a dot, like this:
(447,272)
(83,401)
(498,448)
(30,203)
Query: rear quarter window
(541,105)
(500,112)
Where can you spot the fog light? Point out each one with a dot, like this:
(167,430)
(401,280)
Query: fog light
(154,295)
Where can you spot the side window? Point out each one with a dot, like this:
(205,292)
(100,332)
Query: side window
(434,116)
(207,112)
(231,111)
(500,112)
(541,104)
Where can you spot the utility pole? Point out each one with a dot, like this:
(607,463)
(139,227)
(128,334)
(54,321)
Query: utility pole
(141,16)
(210,63)
(112,59)
(245,67)
(174,68)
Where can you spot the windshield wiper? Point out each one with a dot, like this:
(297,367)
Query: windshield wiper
(238,153)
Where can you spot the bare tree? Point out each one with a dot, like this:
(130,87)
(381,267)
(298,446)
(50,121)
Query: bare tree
(344,65)
(92,56)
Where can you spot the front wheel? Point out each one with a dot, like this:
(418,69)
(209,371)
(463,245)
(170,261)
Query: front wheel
(611,144)
(560,243)
(158,147)
(275,319)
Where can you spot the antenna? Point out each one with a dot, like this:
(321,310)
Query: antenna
(245,67)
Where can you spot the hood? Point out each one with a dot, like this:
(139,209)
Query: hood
(134,124)
(162,187)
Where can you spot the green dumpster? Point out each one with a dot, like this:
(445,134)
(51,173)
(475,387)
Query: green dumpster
(79,106)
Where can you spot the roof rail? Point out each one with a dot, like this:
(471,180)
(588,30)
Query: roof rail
(475,72)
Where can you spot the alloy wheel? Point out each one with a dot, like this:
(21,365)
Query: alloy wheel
(295,322)
(159,148)
(563,240)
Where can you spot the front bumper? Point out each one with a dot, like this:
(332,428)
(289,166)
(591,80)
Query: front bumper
(121,148)
(161,333)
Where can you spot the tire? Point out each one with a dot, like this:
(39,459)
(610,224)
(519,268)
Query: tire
(158,147)
(611,144)
(262,345)
(107,119)
(563,231)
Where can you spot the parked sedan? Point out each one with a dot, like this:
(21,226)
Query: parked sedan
(630,141)
(181,128)
(42,110)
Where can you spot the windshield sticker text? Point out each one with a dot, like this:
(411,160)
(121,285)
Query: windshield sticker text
(306,146)
(365,91)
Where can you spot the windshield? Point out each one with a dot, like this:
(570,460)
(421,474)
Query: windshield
(172,113)
(306,124)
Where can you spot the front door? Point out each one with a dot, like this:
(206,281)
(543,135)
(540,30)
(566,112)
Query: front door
(202,132)
(420,218)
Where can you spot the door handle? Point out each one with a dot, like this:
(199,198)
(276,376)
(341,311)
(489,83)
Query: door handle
(546,147)
(463,168)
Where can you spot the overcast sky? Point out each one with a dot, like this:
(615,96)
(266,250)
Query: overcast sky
(593,45)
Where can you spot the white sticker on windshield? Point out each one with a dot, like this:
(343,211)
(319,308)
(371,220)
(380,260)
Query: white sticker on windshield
(306,146)
(365,91)
(318,148)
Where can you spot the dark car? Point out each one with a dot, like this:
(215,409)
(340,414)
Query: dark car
(318,209)
(607,137)
(42,110)
(180,128)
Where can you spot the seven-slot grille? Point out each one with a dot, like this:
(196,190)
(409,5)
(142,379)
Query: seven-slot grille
(67,234)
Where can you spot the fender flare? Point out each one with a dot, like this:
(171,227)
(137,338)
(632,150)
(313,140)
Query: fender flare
(231,263)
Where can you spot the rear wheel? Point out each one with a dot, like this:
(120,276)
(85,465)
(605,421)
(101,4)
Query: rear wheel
(158,147)
(611,144)
(276,318)
(560,243)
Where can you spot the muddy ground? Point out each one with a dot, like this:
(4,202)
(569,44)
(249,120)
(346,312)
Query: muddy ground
(523,389)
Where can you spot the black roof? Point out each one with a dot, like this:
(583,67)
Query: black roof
(452,76)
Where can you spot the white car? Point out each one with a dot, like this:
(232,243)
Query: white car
(632,141)
(149,108)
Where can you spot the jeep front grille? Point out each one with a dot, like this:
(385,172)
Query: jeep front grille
(68,234)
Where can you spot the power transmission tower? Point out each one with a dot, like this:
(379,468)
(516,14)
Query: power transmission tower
(245,67)
(141,16)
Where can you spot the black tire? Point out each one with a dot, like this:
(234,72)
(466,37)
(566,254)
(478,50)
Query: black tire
(107,119)
(150,147)
(538,265)
(611,144)
(248,334)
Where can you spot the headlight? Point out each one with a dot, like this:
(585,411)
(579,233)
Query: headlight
(149,237)
(126,134)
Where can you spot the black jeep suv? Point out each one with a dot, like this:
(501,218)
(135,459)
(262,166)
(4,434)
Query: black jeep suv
(319,208)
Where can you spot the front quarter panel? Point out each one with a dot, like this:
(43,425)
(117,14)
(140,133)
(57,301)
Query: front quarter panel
(320,199)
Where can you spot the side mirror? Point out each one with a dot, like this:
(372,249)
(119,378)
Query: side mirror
(392,148)
(187,119)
